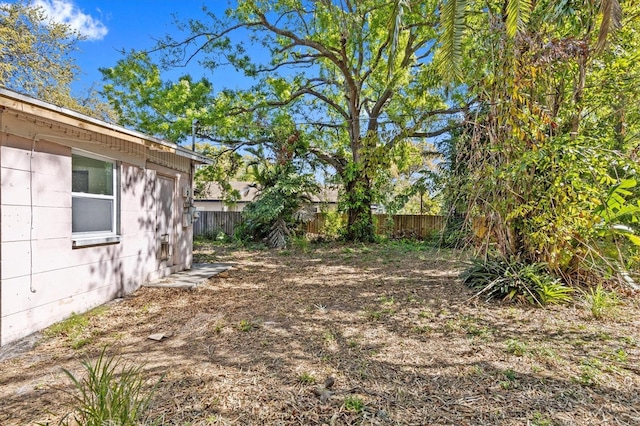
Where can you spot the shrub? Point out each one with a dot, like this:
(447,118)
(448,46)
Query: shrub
(600,302)
(113,392)
(513,279)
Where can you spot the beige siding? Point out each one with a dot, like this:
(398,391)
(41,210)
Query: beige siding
(44,279)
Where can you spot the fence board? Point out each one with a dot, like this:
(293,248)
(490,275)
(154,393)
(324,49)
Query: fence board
(211,223)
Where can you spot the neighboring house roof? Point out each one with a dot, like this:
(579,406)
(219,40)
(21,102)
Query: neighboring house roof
(97,131)
(327,194)
(213,192)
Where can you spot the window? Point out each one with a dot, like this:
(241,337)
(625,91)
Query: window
(94,202)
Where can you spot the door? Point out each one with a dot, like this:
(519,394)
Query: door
(165,229)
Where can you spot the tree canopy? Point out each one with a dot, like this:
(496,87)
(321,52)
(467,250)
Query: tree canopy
(36,58)
(357,93)
(546,166)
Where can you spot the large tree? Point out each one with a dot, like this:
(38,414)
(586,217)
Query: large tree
(357,81)
(546,168)
(36,58)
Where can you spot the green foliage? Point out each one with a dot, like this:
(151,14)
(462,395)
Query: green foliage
(554,292)
(515,347)
(353,403)
(75,329)
(600,302)
(333,223)
(280,202)
(142,100)
(544,169)
(514,279)
(247,325)
(113,391)
(306,378)
(354,79)
(36,58)
(36,54)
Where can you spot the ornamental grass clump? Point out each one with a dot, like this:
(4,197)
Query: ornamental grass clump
(111,391)
(516,280)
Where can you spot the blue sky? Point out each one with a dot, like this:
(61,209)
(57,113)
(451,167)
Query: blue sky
(113,25)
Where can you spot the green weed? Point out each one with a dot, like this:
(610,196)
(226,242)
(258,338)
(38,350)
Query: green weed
(589,372)
(218,327)
(422,329)
(247,325)
(516,347)
(75,329)
(328,337)
(538,419)
(353,403)
(601,303)
(113,392)
(511,381)
(306,378)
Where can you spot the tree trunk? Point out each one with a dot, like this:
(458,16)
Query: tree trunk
(360,220)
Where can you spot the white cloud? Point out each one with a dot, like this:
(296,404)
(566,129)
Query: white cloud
(65,12)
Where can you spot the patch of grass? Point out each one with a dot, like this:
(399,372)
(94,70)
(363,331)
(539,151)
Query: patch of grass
(73,325)
(300,243)
(75,329)
(387,300)
(422,329)
(306,378)
(547,355)
(589,372)
(538,419)
(510,375)
(353,403)
(477,331)
(601,303)
(515,347)
(452,325)
(80,342)
(629,341)
(247,325)
(426,314)
(619,355)
(113,391)
(511,381)
(328,337)
(218,327)
(377,314)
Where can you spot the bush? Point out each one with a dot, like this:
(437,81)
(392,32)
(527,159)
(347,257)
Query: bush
(600,302)
(513,279)
(113,392)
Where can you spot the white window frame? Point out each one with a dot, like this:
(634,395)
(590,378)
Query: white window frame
(83,239)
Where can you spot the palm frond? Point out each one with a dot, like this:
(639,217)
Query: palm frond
(395,25)
(305,213)
(452,20)
(278,236)
(518,15)
(611,21)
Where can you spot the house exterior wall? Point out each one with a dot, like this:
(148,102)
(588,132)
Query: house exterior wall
(43,278)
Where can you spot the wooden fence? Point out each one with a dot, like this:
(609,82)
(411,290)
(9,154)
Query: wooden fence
(397,226)
(209,224)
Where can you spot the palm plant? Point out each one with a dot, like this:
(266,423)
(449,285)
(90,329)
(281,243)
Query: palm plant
(517,15)
(283,198)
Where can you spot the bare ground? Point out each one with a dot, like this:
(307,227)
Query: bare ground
(390,323)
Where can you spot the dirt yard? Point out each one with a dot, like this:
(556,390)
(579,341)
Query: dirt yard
(390,324)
